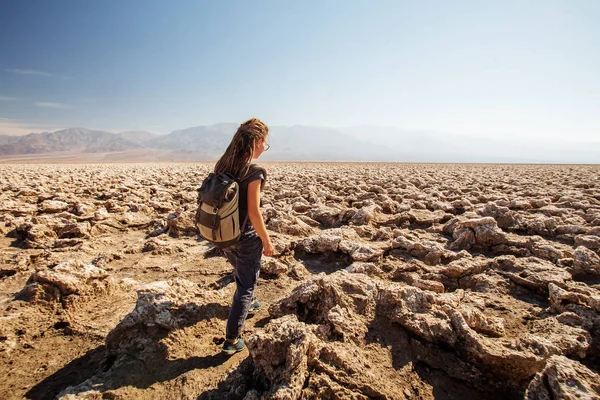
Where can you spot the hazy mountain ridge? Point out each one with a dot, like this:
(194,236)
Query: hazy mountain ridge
(138,136)
(71,139)
(207,140)
(203,142)
(8,139)
(300,143)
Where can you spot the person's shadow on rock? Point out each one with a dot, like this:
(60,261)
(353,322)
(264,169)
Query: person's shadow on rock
(134,355)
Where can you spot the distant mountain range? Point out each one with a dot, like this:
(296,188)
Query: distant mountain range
(74,140)
(295,143)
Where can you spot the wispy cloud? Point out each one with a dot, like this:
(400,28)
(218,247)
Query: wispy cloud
(6,98)
(22,71)
(46,104)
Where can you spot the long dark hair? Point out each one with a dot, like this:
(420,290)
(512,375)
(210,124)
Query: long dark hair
(239,153)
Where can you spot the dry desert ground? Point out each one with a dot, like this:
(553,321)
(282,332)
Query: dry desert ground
(389,281)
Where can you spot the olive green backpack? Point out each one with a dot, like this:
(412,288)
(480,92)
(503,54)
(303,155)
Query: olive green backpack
(218,214)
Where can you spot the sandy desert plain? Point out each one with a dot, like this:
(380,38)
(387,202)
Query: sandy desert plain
(389,281)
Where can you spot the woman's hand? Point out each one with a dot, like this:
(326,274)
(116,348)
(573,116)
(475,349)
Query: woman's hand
(268,248)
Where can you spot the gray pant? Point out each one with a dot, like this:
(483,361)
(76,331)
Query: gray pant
(245,257)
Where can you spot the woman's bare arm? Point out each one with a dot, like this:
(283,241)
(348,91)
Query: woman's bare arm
(256,217)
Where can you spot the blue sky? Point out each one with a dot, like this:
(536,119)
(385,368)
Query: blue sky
(502,69)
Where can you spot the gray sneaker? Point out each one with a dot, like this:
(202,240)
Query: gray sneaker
(255,305)
(232,348)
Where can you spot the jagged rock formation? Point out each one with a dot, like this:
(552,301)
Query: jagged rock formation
(388,281)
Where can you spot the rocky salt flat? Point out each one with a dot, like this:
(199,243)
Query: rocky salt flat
(389,281)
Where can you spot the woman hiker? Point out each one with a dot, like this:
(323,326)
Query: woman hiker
(248,143)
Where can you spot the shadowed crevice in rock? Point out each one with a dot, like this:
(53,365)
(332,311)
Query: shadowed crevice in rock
(588,279)
(524,294)
(327,263)
(5,273)
(445,387)
(239,384)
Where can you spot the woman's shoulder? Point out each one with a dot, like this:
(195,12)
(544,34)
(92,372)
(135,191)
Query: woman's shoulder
(256,166)
(255,171)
